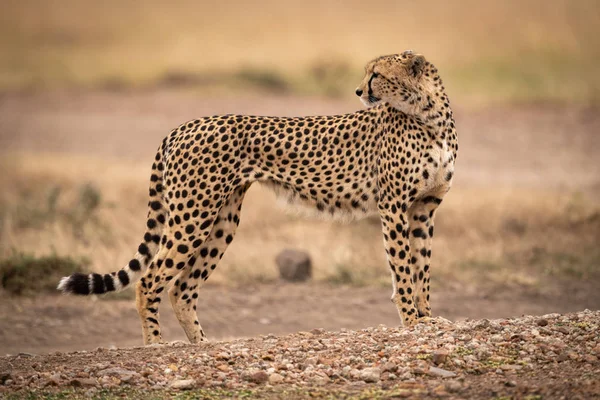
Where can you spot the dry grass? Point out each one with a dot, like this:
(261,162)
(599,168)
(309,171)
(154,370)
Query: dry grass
(503,236)
(515,49)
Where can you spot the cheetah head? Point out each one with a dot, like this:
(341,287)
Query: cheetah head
(406,81)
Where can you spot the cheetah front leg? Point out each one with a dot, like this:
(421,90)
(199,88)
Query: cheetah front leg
(421,217)
(397,246)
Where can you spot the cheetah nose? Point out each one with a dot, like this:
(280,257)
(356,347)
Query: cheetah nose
(359,92)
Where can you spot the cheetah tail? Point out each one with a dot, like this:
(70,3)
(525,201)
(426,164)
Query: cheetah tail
(86,284)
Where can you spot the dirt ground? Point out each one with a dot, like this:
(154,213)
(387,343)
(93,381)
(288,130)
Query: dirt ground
(545,147)
(548,357)
(50,323)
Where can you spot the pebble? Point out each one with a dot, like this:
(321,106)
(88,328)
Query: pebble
(83,382)
(441,372)
(370,375)
(255,376)
(275,378)
(440,357)
(182,384)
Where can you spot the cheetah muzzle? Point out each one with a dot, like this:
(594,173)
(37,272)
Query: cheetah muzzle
(395,158)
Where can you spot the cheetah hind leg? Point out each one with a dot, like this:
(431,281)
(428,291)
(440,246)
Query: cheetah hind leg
(174,256)
(184,292)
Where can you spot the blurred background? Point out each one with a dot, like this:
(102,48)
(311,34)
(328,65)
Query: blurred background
(88,89)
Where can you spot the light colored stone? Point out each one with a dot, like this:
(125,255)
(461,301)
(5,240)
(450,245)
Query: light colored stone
(275,378)
(441,372)
(370,375)
(123,374)
(182,384)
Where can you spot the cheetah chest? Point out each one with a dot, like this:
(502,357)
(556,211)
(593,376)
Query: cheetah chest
(440,168)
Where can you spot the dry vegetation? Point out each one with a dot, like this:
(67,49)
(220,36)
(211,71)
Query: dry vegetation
(513,49)
(92,210)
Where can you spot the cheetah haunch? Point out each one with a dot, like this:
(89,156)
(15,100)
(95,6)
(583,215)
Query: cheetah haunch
(395,158)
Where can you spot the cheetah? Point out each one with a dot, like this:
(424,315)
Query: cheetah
(395,159)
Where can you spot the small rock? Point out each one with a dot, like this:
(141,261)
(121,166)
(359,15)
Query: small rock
(5,376)
(275,378)
(440,357)
(453,386)
(542,322)
(510,383)
(590,358)
(294,265)
(370,375)
(562,357)
(121,373)
(389,367)
(83,382)
(182,384)
(255,376)
(173,368)
(320,378)
(441,372)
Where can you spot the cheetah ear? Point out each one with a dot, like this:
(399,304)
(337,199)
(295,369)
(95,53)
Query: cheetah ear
(416,65)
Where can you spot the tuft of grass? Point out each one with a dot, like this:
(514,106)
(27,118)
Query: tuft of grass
(40,206)
(26,274)
(358,276)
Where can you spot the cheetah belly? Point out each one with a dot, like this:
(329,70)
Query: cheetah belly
(351,204)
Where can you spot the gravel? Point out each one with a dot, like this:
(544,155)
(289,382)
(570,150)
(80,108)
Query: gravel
(535,356)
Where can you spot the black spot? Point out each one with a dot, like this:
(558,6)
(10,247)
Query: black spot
(419,233)
(134,265)
(189,229)
(431,199)
(155,333)
(182,248)
(155,205)
(98,285)
(109,283)
(206,224)
(151,223)
(143,249)
(214,253)
(123,278)
(153,320)
(228,239)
